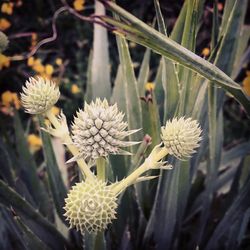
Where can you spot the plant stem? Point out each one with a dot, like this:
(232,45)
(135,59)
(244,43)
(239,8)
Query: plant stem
(149,163)
(66,139)
(101,171)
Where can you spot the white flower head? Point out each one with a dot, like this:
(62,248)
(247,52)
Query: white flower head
(181,137)
(39,95)
(99,130)
(90,206)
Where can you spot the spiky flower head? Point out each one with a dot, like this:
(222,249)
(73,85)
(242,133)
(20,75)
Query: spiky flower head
(99,130)
(90,206)
(39,95)
(181,137)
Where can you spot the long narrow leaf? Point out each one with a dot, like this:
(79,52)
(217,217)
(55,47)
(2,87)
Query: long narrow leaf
(147,36)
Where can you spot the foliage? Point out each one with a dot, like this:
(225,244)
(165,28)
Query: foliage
(202,202)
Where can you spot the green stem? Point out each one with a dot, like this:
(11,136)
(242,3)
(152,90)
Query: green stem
(149,163)
(101,171)
(66,139)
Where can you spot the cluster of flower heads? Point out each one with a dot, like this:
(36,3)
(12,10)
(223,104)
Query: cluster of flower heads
(97,131)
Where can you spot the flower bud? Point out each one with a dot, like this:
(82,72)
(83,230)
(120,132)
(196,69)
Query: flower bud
(181,136)
(90,206)
(39,95)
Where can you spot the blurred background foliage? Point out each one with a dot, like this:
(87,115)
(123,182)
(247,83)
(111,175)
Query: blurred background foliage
(67,60)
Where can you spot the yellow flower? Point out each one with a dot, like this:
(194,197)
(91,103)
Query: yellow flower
(49,69)
(205,52)
(31,61)
(37,66)
(55,110)
(33,39)
(35,142)
(58,61)
(149,86)
(4,61)
(7,8)
(75,89)
(4,24)
(78,5)
(246,84)
(10,99)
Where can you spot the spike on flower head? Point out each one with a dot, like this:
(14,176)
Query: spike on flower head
(39,95)
(181,137)
(99,130)
(90,206)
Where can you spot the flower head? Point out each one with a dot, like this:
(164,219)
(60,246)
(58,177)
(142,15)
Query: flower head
(90,206)
(181,136)
(99,130)
(39,95)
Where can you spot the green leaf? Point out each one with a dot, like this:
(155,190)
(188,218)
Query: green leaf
(141,33)
(29,168)
(230,33)
(6,164)
(144,73)
(162,221)
(30,239)
(130,89)
(170,79)
(55,178)
(47,232)
(236,210)
(100,70)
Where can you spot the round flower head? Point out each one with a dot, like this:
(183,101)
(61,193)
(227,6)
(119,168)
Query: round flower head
(90,206)
(99,130)
(181,136)
(39,95)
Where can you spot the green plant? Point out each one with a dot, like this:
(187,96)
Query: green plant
(183,208)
